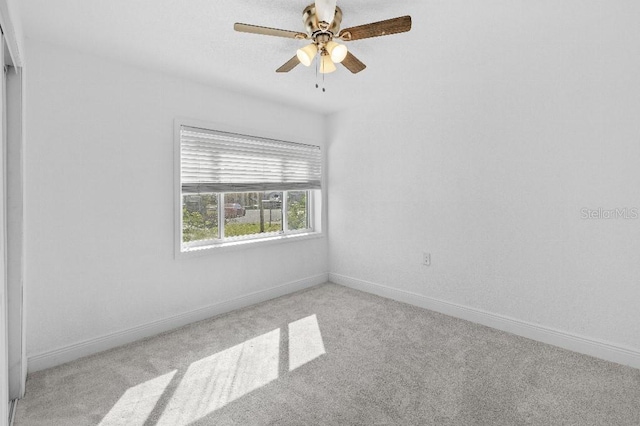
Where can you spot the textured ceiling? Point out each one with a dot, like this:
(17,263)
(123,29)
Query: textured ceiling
(195,39)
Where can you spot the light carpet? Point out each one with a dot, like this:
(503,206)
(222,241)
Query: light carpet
(331,355)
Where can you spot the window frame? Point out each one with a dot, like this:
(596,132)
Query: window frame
(315,208)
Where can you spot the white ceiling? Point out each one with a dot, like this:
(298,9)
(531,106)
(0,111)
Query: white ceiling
(195,39)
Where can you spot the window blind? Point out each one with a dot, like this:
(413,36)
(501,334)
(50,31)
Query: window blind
(214,161)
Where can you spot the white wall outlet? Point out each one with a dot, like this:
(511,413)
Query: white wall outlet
(426,259)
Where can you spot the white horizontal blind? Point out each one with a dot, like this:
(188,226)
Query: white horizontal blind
(213,161)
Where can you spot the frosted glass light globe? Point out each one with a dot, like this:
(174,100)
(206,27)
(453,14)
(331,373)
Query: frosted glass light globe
(306,54)
(337,51)
(326,65)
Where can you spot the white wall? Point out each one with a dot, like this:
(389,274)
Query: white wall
(523,114)
(99,199)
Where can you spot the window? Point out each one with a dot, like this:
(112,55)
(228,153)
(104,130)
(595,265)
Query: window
(236,189)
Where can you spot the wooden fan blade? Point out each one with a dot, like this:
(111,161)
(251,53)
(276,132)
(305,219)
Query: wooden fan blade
(255,29)
(377,29)
(289,65)
(353,64)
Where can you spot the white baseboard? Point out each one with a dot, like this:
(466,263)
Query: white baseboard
(572,342)
(72,352)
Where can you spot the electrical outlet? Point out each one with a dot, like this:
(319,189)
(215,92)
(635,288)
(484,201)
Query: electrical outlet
(426,259)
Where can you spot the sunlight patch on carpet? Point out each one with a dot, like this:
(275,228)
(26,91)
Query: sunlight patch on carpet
(305,341)
(135,405)
(213,382)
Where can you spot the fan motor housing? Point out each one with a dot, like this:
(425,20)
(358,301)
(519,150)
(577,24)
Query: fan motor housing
(313,27)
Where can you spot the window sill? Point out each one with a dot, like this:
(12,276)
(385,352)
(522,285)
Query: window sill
(245,244)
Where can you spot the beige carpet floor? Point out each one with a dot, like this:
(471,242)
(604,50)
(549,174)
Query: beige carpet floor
(330,355)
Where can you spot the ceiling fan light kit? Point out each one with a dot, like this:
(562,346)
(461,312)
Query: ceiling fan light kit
(306,54)
(322,22)
(337,51)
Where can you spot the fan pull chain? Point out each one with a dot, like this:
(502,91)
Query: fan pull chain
(317,72)
(318,65)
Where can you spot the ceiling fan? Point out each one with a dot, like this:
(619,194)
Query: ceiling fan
(322,23)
